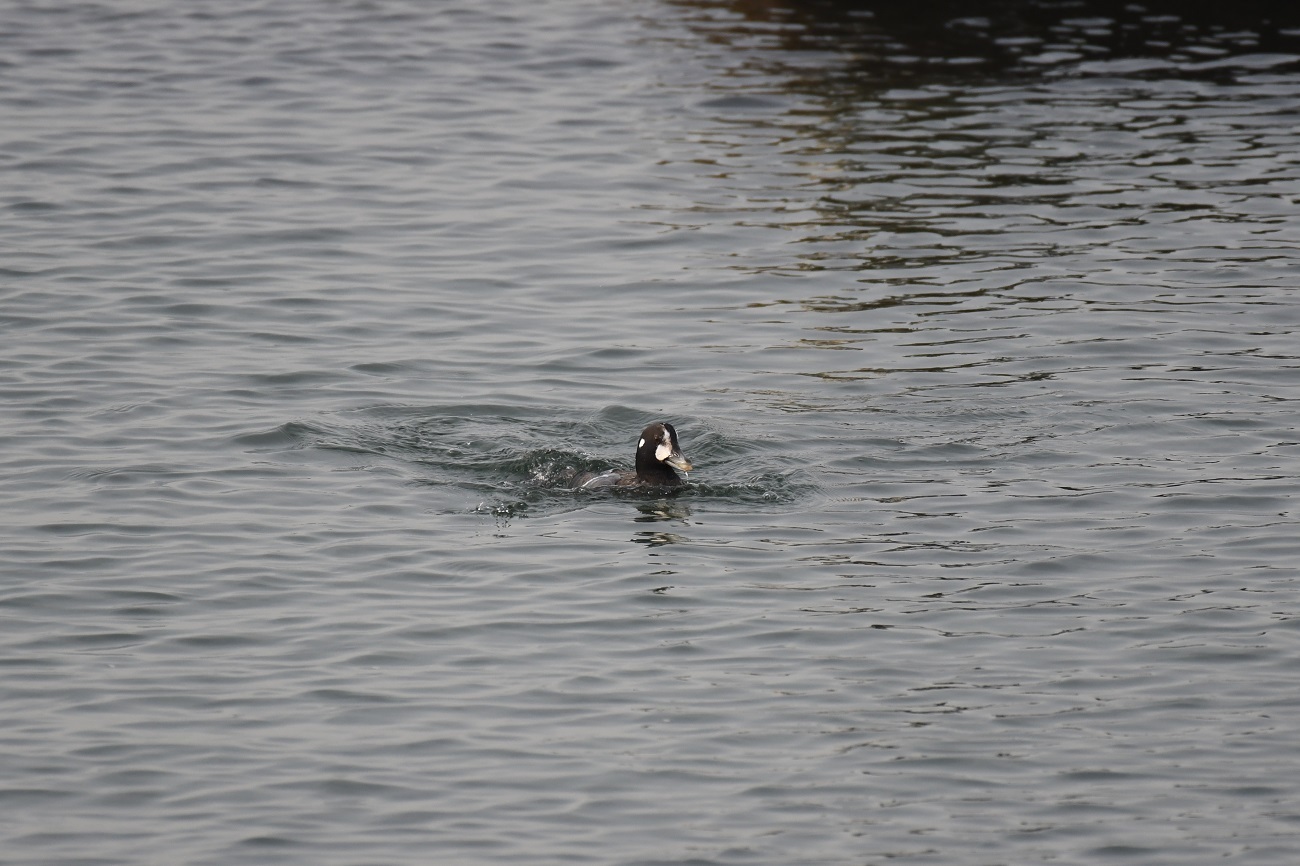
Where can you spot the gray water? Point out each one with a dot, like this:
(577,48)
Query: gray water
(980,330)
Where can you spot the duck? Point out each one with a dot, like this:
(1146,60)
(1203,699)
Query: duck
(657,454)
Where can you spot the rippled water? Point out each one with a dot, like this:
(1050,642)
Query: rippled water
(979,325)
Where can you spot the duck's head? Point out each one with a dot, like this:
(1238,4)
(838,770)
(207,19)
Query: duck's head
(657,453)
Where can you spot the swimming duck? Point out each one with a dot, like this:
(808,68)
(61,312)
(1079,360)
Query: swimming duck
(657,453)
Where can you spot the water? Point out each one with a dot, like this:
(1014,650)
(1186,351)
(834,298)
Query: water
(978,325)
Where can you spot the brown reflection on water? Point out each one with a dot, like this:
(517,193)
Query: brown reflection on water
(927,40)
(934,182)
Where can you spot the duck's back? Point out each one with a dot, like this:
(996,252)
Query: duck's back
(601,480)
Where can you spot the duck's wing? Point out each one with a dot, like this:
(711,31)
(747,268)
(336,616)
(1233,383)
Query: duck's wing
(592,481)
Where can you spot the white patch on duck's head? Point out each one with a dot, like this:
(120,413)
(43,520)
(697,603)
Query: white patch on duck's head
(665,446)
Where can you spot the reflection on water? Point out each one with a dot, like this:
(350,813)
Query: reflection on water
(960,41)
(659,539)
(662,510)
(1111,173)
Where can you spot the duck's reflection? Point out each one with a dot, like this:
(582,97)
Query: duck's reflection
(657,512)
(662,509)
(658,539)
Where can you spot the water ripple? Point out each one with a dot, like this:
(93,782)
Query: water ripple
(979,326)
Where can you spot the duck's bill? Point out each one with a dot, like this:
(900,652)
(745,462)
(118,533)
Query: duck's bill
(678,460)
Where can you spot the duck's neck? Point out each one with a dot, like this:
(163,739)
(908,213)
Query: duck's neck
(651,471)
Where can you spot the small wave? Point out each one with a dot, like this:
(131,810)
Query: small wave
(514,463)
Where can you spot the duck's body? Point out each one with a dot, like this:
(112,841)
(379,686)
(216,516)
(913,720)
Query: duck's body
(657,453)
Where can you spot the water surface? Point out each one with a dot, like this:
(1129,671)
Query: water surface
(979,326)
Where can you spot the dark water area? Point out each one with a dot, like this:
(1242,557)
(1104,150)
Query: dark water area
(978,321)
